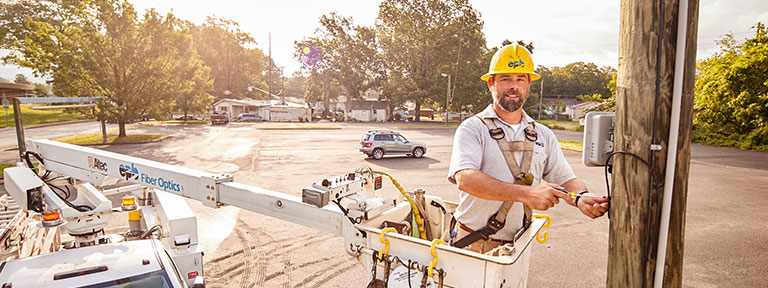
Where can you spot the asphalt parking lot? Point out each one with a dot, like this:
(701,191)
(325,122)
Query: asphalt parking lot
(724,240)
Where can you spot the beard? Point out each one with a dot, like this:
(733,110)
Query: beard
(511,105)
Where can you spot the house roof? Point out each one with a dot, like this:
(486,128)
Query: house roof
(570,102)
(586,104)
(257,103)
(367,104)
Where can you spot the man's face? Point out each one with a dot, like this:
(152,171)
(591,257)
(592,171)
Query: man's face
(509,90)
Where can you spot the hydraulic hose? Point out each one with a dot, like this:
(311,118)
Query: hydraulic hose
(414,208)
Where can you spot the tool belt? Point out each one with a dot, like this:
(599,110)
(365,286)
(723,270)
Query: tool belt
(496,221)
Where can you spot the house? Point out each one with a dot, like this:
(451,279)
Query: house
(368,110)
(272,110)
(334,104)
(578,109)
(551,103)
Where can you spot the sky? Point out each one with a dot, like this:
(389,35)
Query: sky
(562,31)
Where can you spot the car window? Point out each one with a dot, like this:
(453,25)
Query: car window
(365,137)
(388,137)
(399,138)
(378,137)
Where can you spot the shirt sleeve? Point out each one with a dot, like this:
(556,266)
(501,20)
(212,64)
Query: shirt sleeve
(467,148)
(557,170)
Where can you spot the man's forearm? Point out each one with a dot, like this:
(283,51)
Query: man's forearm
(481,185)
(575,186)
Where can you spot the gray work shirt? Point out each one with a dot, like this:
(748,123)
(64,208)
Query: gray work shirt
(473,148)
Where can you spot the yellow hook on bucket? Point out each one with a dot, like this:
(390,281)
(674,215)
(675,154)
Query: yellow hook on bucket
(434,256)
(546,224)
(386,242)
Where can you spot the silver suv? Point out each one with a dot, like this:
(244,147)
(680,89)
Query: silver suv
(376,144)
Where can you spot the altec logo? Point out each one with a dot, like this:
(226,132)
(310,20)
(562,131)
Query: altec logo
(95,163)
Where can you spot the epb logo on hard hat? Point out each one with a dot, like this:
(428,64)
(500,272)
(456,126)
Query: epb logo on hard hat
(515,64)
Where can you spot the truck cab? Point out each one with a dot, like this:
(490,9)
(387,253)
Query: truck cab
(141,263)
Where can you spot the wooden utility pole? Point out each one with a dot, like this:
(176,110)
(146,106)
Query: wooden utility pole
(641,118)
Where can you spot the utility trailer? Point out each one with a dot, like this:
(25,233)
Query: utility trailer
(388,236)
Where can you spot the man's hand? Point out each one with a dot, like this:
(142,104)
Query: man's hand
(593,207)
(543,196)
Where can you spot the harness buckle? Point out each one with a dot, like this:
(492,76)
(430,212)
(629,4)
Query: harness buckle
(526,178)
(531,135)
(494,224)
(496,133)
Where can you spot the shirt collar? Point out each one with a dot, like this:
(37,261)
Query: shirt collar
(488,112)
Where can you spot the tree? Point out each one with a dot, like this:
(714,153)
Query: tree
(577,78)
(223,47)
(294,86)
(42,90)
(340,53)
(21,79)
(732,91)
(528,46)
(101,48)
(419,40)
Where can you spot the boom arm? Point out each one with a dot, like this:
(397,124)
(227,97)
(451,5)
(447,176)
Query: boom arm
(213,190)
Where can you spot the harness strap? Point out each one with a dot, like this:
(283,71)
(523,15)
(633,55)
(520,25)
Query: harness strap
(496,222)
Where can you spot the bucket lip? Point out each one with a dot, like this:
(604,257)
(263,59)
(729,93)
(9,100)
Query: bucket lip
(521,245)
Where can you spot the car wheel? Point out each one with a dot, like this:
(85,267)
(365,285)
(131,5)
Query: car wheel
(378,153)
(418,152)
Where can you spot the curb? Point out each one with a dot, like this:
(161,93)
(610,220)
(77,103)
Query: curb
(48,124)
(99,144)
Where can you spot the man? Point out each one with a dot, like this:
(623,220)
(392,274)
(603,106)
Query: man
(531,172)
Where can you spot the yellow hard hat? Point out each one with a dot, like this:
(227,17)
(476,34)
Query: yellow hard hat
(513,58)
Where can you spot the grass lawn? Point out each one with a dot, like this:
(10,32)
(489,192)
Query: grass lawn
(96,138)
(570,144)
(175,122)
(31,116)
(301,128)
(562,125)
(5,165)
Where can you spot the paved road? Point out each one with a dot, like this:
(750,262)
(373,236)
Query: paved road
(8,135)
(724,242)
(705,154)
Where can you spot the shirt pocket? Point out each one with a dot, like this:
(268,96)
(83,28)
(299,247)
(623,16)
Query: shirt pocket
(539,161)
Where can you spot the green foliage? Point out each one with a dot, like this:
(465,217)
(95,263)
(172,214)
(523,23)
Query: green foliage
(571,144)
(594,97)
(421,40)
(5,165)
(577,78)
(731,93)
(347,54)
(528,46)
(98,138)
(21,79)
(31,116)
(101,48)
(222,47)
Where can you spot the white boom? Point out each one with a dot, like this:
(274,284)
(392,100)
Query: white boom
(359,224)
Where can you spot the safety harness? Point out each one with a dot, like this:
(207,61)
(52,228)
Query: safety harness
(520,172)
